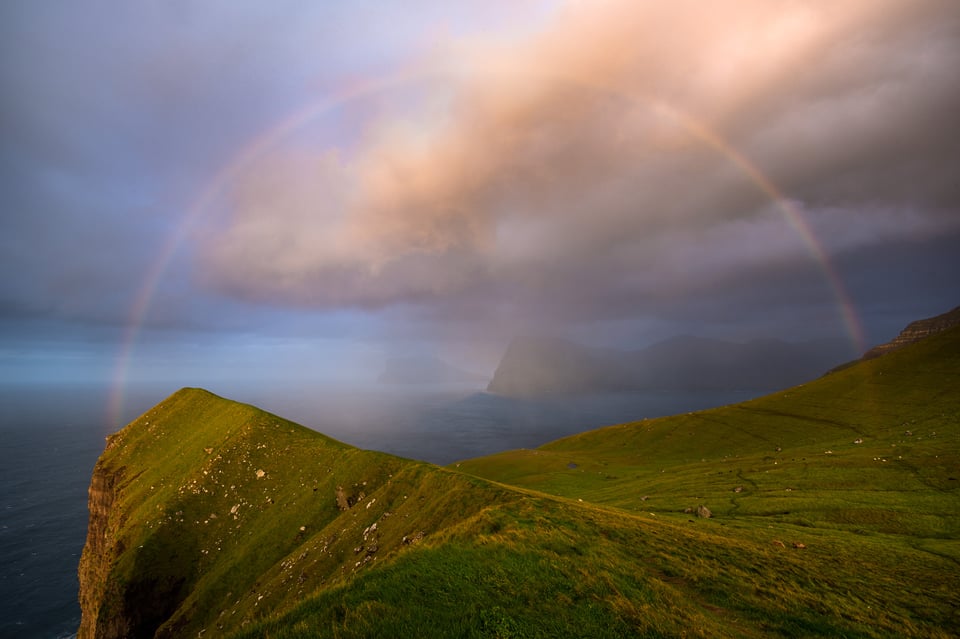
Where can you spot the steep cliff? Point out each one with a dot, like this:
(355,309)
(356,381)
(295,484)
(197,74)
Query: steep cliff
(99,554)
(542,365)
(916,331)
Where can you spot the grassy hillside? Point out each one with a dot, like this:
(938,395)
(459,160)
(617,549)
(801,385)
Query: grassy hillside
(227,517)
(873,448)
(225,513)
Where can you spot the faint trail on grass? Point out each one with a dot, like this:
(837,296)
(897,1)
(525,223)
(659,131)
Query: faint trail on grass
(806,418)
(917,546)
(753,485)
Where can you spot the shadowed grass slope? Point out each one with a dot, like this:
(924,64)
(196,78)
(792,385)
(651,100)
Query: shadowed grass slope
(233,513)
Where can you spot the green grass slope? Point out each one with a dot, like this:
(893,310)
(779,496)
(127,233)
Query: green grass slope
(227,518)
(862,467)
(224,513)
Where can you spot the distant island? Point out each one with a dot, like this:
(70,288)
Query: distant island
(424,370)
(535,366)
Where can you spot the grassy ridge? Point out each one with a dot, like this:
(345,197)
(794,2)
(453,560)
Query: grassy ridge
(235,515)
(226,513)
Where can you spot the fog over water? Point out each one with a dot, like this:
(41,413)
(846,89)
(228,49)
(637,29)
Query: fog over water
(53,434)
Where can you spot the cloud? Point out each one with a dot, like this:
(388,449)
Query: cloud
(610,156)
(524,168)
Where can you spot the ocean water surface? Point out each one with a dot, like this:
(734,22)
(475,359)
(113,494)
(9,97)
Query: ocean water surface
(52,435)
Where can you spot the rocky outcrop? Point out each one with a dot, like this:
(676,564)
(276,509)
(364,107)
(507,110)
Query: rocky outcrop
(916,331)
(99,553)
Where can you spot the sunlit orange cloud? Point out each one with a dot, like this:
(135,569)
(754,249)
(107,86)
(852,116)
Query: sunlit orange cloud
(575,149)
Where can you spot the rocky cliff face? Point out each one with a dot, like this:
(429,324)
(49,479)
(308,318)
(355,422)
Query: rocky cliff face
(98,555)
(916,331)
(112,606)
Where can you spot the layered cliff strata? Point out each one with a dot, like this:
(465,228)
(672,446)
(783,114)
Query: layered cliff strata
(99,553)
(916,331)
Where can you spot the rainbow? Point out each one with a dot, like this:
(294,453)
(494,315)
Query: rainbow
(240,161)
(275,134)
(793,216)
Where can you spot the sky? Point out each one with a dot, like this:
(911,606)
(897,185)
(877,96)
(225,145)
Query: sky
(223,190)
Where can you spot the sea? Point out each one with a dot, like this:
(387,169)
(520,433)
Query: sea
(52,434)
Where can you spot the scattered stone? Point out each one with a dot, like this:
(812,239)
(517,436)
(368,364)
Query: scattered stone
(777,542)
(571,465)
(414,539)
(704,512)
(798,544)
(260,473)
(738,489)
(206,450)
(858,440)
(343,502)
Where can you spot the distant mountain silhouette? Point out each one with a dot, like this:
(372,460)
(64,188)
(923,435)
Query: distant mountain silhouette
(542,365)
(424,370)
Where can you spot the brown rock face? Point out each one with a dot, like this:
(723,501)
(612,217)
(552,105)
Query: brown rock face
(916,331)
(118,602)
(98,555)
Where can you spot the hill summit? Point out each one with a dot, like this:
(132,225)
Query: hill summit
(828,509)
